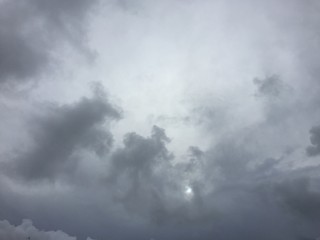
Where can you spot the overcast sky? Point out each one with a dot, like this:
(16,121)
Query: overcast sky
(159,119)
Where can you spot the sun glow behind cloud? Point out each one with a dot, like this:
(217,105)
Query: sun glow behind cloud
(188,191)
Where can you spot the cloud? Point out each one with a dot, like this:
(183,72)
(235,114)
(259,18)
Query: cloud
(270,86)
(139,172)
(302,197)
(31,32)
(27,231)
(231,189)
(314,150)
(226,156)
(143,190)
(60,133)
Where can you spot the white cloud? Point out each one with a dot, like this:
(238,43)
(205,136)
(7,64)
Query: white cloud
(26,230)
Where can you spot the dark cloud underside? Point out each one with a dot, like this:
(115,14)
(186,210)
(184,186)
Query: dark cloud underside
(62,132)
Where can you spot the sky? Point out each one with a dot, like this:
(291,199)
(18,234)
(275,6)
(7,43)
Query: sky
(159,119)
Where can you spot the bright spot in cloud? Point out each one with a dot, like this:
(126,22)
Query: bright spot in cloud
(188,192)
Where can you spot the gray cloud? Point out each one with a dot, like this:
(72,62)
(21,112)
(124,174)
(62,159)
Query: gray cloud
(315,141)
(246,175)
(60,133)
(31,31)
(138,174)
(270,86)
(302,196)
(231,189)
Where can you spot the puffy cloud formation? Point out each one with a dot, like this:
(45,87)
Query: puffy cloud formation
(27,231)
(63,131)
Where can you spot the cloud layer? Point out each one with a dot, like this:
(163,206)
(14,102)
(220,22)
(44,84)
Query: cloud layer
(197,120)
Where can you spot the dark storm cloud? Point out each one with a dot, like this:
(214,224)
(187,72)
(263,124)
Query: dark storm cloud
(302,197)
(254,199)
(231,189)
(139,173)
(31,30)
(314,150)
(60,133)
